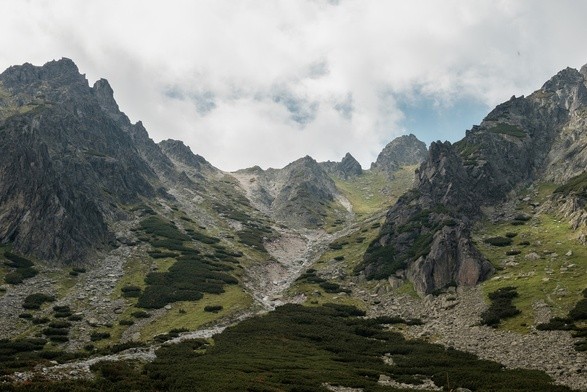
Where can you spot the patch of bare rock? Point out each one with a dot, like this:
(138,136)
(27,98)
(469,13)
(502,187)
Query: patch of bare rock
(452,319)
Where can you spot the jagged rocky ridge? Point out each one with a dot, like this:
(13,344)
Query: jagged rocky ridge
(298,194)
(427,234)
(348,167)
(72,162)
(65,163)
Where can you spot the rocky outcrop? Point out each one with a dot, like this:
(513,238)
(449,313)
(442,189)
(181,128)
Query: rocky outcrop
(66,164)
(426,236)
(299,195)
(402,151)
(348,167)
(175,149)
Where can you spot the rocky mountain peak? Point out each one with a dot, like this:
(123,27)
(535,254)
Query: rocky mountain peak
(105,96)
(404,150)
(525,139)
(61,188)
(56,74)
(347,167)
(177,150)
(583,71)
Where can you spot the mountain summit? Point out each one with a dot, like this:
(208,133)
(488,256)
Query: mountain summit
(404,150)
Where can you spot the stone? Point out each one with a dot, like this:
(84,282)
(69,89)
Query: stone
(93,322)
(532,256)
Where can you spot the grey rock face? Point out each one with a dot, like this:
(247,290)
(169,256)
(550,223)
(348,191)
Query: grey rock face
(177,150)
(522,140)
(401,151)
(65,164)
(346,168)
(299,194)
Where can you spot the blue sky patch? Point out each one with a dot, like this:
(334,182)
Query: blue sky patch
(431,121)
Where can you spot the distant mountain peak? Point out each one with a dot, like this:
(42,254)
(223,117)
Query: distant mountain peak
(347,167)
(58,72)
(401,151)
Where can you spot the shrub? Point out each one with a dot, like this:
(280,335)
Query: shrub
(557,324)
(162,255)
(501,306)
(579,312)
(58,338)
(508,129)
(213,308)
(19,275)
(126,322)
(55,331)
(61,311)
(512,252)
(40,320)
(96,336)
(26,316)
(333,288)
(59,324)
(131,291)
(335,246)
(511,234)
(23,268)
(140,314)
(16,261)
(498,241)
(75,317)
(35,301)
(157,226)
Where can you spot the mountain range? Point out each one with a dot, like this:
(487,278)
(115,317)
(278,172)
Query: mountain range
(131,239)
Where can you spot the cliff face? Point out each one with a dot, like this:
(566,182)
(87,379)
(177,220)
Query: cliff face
(65,163)
(426,236)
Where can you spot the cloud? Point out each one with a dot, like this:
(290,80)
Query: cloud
(257,82)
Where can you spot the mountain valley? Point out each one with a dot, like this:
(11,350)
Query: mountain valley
(133,264)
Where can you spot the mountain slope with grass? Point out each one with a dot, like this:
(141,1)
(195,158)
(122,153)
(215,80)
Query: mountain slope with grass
(130,264)
(427,234)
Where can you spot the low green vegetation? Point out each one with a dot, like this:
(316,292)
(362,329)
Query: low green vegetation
(297,348)
(192,315)
(22,268)
(35,301)
(575,321)
(499,241)
(545,261)
(576,185)
(508,129)
(190,276)
(501,306)
(373,191)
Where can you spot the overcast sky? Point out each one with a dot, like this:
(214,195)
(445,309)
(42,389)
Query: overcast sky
(268,81)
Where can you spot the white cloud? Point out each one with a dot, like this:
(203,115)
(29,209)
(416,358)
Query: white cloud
(265,82)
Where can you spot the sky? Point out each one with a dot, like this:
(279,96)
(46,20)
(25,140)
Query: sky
(264,82)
